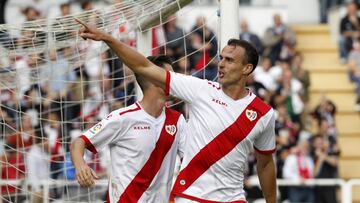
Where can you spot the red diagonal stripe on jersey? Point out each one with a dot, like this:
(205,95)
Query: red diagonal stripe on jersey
(143,179)
(220,146)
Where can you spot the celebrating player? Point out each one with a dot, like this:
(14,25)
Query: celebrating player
(225,121)
(144,139)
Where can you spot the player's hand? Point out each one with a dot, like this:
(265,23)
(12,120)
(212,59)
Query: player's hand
(86,176)
(90,32)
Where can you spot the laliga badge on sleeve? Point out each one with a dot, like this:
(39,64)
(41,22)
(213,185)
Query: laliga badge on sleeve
(96,128)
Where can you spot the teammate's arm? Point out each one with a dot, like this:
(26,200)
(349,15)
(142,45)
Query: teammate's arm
(84,174)
(267,177)
(133,59)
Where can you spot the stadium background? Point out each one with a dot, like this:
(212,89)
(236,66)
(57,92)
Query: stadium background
(308,59)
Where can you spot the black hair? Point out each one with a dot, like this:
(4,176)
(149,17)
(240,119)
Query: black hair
(159,60)
(251,55)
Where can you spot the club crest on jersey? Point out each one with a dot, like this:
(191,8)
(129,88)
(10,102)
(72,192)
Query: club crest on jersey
(250,114)
(171,129)
(96,128)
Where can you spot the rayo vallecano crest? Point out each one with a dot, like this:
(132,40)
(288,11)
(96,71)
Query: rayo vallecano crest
(171,129)
(250,114)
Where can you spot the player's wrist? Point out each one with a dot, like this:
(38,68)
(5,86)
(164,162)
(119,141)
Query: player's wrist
(79,165)
(107,38)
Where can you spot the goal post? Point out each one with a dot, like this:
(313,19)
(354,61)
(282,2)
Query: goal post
(229,21)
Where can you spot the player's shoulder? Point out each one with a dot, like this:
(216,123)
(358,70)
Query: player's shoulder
(124,112)
(260,106)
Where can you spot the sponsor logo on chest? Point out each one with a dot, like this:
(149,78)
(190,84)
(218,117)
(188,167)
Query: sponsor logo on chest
(217,101)
(142,127)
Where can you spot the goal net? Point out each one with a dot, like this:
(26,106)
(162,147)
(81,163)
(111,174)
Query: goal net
(54,86)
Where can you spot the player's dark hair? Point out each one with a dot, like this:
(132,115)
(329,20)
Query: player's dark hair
(251,55)
(159,60)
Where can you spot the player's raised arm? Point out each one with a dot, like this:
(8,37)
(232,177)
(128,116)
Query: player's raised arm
(133,59)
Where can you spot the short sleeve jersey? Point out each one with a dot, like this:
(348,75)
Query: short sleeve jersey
(221,134)
(143,151)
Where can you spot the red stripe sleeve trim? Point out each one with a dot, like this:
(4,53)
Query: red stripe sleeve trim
(89,145)
(138,107)
(265,151)
(204,200)
(167,83)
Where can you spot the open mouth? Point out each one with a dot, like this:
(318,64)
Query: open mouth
(221,74)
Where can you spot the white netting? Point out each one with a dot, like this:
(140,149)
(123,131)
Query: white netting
(54,85)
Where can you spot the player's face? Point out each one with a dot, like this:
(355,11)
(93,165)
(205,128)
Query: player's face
(231,67)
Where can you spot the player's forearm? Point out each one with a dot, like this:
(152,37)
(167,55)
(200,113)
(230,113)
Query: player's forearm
(77,150)
(133,59)
(267,178)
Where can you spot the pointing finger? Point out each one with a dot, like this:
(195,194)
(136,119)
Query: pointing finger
(81,22)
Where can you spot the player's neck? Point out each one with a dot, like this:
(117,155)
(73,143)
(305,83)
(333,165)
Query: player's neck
(235,92)
(153,104)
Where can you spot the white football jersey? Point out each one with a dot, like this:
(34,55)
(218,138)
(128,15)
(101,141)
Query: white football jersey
(143,151)
(222,132)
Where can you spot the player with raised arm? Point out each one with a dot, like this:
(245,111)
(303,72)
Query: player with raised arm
(225,121)
(144,140)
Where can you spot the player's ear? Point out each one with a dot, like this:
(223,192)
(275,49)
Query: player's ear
(247,69)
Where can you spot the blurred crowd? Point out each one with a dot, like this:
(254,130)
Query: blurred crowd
(349,45)
(40,119)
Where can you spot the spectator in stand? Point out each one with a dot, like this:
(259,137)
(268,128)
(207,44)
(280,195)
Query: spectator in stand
(354,67)
(204,44)
(38,166)
(326,166)
(31,37)
(301,74)
(87,5)
(247,35)
(286,130)
(290,94)
(349,30)
(299,166)
(23,139)
(65,9)
(61,75)
(279,41)
(258,88)
(262,75)
(31,104)
(324,113)
(12,167)
(174,38)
